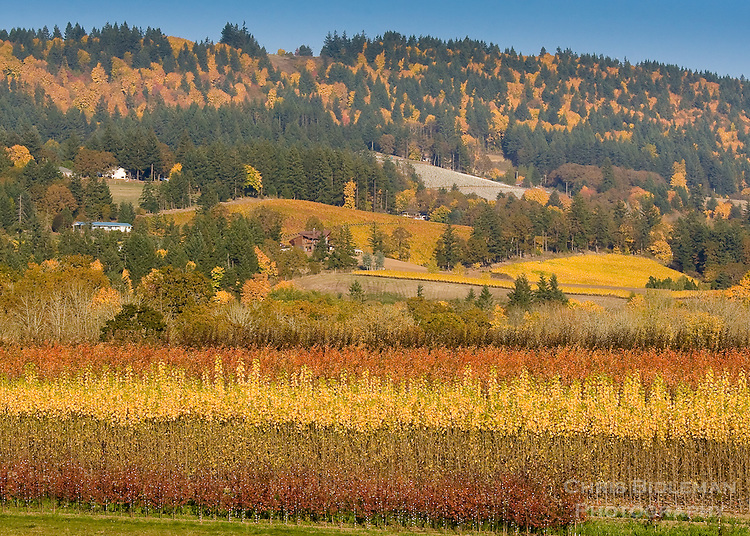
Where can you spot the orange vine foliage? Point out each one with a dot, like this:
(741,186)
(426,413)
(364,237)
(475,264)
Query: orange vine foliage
(401,365)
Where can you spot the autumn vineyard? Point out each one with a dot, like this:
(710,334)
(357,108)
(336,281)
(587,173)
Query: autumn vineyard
(244,287)
(469,438)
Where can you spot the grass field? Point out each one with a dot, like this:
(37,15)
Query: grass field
(599,270)
(296,213)
(125,191)
(21,523)
(34,523)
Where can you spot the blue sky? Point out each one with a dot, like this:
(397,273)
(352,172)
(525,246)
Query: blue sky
(698,35)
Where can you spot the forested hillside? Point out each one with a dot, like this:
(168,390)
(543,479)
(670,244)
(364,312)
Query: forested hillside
(449,102)
(629,150)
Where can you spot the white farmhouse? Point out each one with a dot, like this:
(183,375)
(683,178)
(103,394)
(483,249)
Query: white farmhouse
(117,173)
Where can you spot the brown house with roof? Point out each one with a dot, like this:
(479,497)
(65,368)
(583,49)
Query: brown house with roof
(308,240)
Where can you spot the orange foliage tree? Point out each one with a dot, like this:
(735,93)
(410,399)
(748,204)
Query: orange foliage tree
(679,175)
(90,163)
(255,289)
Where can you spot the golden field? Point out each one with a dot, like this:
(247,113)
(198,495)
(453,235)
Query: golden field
(296,213)
(495,283)
(602,270)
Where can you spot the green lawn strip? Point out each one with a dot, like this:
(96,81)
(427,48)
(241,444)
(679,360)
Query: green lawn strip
(626,527)
(19,522)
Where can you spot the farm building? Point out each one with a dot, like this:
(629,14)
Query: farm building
(118,173)
(308,240)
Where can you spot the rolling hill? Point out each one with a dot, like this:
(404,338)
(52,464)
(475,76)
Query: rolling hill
(296,213)
(638,147)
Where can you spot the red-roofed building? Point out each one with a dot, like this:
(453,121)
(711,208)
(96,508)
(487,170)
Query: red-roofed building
(308,240)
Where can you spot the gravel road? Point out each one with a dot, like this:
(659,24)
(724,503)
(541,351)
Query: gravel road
(435,177)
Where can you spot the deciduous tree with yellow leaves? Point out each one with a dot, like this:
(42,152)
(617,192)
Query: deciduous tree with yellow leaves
(253,178)
(350,193)
(679,175)
(19,155)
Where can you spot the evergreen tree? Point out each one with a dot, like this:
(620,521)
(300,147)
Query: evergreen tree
(126,214)
(608,176)
(554,200)
(447,252)
(376,240)
(542,292)
(400,238)
(240,38)
(342,255)
(149,201)
(485,299)
(139,254)
(208,199)
(555,294)
(356,292)
(521,297)
(98,199)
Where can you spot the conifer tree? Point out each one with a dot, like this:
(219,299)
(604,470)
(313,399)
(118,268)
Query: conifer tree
(542,292)
(341,256)
(447,252)
(555,294)
(521,296)
(485,299)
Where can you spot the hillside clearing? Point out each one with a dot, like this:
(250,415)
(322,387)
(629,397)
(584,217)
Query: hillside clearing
(437,177)
(339,283)
(125,191)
